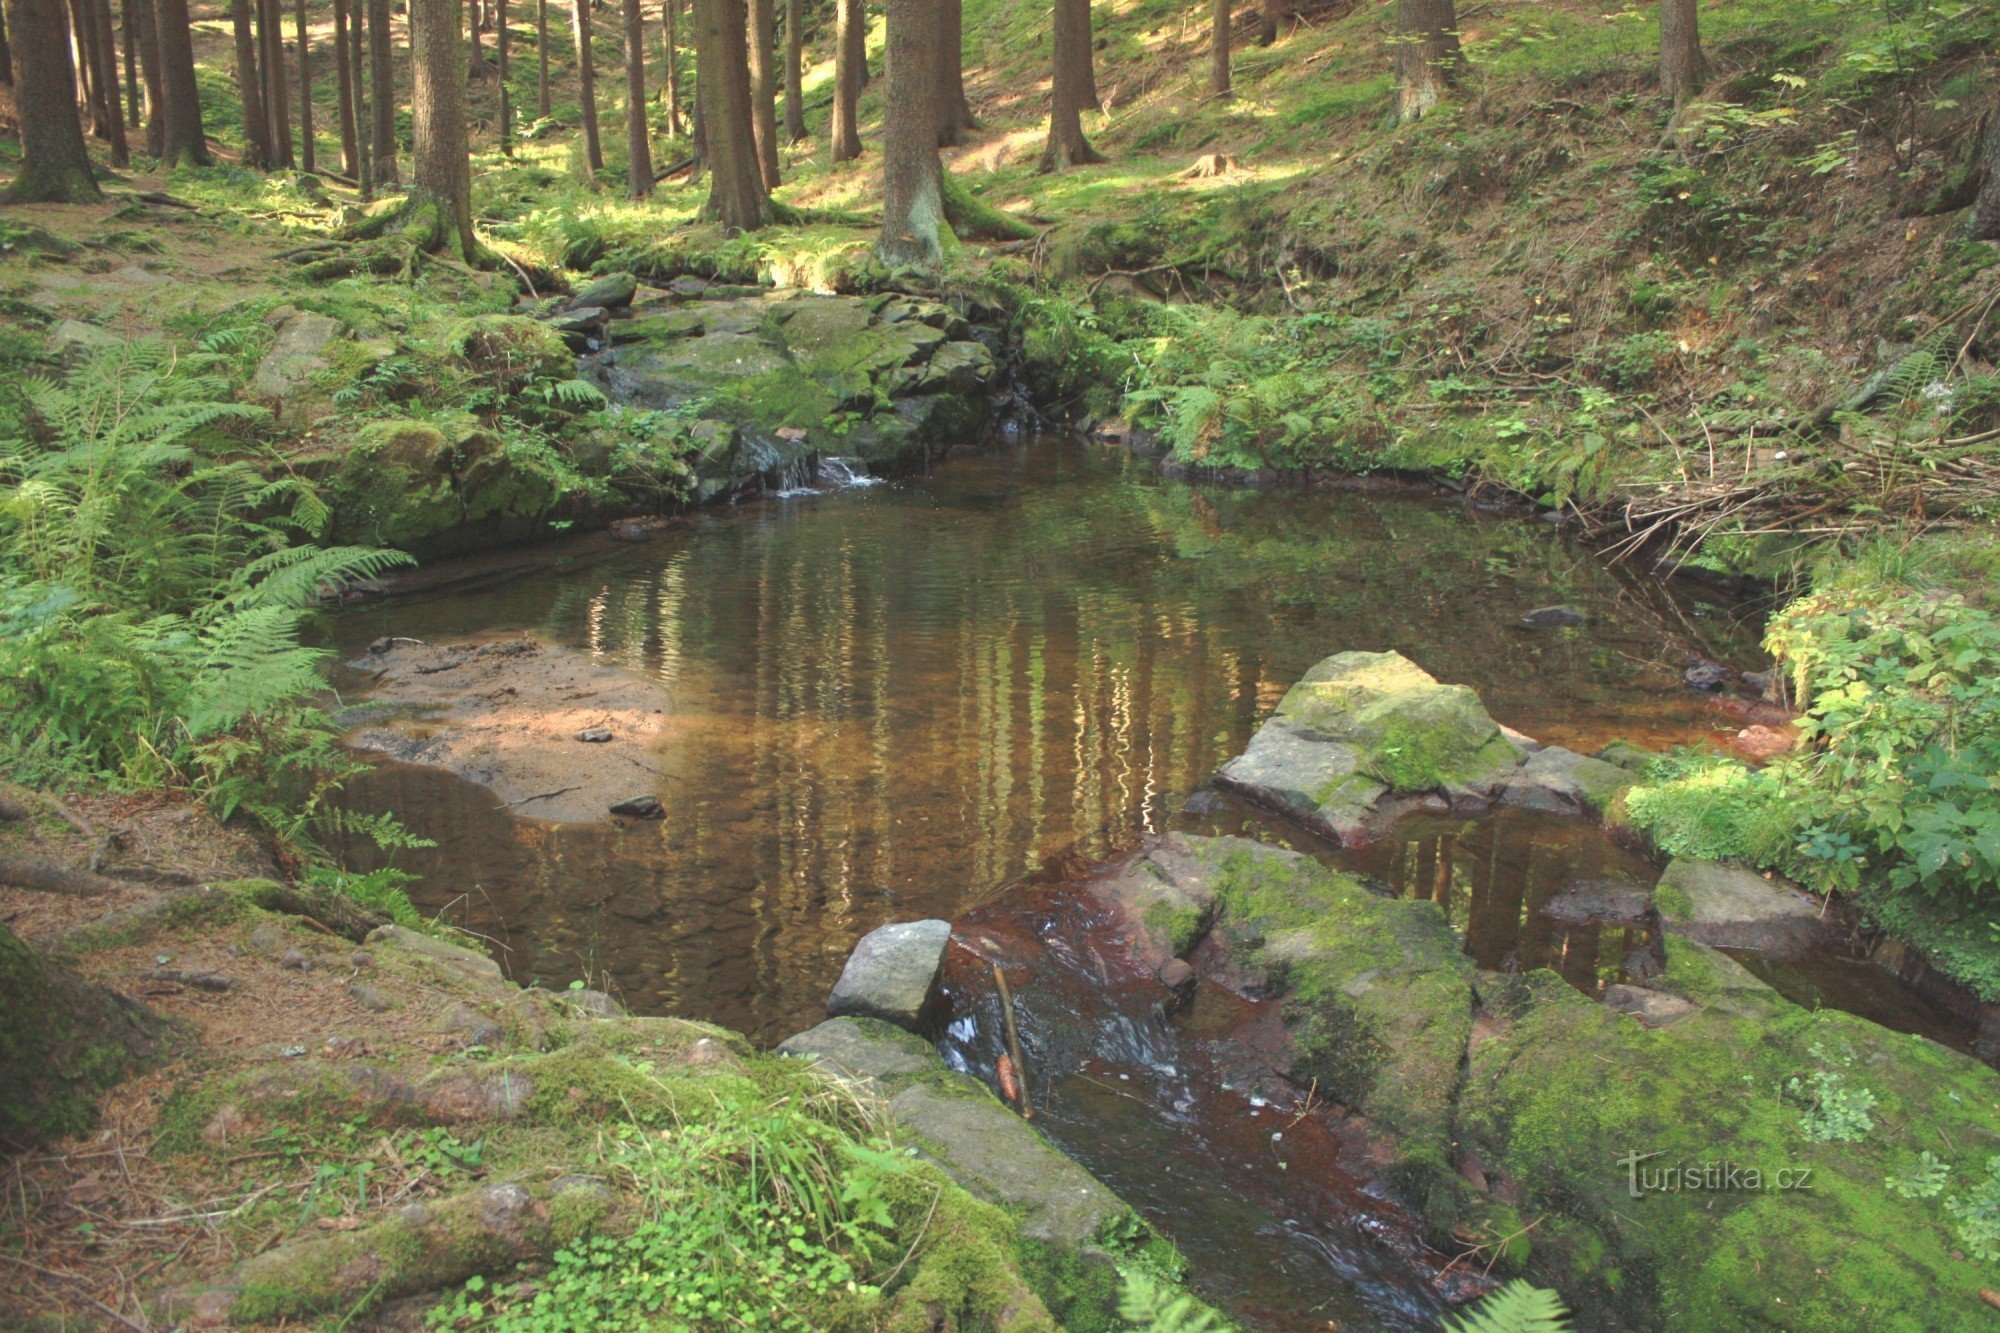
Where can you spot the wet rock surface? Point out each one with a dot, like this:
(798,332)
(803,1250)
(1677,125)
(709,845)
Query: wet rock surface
(892,974)
(1564,782)
(507,714)
(1733,908)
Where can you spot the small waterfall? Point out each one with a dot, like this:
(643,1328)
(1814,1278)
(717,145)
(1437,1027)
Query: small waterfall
(810,476)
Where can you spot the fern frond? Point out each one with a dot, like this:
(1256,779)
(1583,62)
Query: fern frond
(1518,1307)
(299,576)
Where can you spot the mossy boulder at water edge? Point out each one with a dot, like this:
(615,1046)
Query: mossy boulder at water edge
(1633,1167)
(1733,1170)
(1360,728)
(798,375)
(436,491)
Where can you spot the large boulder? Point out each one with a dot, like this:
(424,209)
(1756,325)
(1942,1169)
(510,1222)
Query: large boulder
(285,374)
(892,973)
(1565,782)
(1361,727)
(1733,908)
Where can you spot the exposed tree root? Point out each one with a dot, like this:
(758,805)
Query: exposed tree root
(975,220)
(45,876)
(394,243)
(338,913)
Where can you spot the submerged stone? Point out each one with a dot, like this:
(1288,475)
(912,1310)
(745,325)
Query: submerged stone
(1733,908)
(892,973)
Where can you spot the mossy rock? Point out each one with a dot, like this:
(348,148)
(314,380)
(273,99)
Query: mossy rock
(419,488)
(510,351)
(1379,997)
(1572,1090)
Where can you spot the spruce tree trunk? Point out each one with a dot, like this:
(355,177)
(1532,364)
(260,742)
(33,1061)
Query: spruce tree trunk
(500,47)
(1427,55)
(55,162)
(795,67)
(382,94)
(673,63)
(129,42)
(83,55)
(1683,67)
(343,75)
(542,58)
(764,89)
(638,147)
(277,96)
(912,176)
(475,60)
(954,112)
(441,168)
(107,77)
(586,84)
(63,1040)
(357,61)
(6,52)
(149,75)
(1218,50)
(1984,224)
(184,139)
(250,89)
(1070,63)
(736,196)
(1267,22)
(308,153)
(850,61)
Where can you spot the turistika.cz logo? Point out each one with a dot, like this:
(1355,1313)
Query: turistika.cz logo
(1713,1177)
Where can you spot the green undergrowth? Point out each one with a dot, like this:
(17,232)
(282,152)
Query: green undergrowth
(1889,797)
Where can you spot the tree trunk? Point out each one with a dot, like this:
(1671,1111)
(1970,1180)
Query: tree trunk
(1683,67)
(1267,21)
(586,85)
(1427,55)
(343,77)
(441,169)
(307,149)
(542,59)
(475,60)
(954,112)
(55,163)
(6,52)
(183,140)
(673,68)
(129,41)
(850,61)
(764,89)
(250,89)
(1069,65)
(149,75)
(500,47)
(277,97)
(107,76)
(912,176)
(382,93)
(1984,224)
(1218,50)
(62,1039)
(795,70)
(736,196)
(83,58)
(638,147)
(357,63)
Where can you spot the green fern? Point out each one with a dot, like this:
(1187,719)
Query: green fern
(1146,1303)
(1518,1307)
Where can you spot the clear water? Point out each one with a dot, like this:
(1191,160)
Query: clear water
(886,701)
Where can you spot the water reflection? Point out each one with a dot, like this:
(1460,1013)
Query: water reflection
(886,701)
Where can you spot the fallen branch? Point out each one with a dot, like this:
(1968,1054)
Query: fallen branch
(1013,1038)
(539,796)
(42,875)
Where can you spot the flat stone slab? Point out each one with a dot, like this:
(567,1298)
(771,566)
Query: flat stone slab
(892,973)
(1653,1009)
(1732,908)
(1564,782)
(465,961)
(1361,727)
(1001,1158)
(862,1050)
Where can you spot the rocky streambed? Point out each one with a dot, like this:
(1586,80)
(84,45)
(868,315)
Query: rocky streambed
(1675,1144)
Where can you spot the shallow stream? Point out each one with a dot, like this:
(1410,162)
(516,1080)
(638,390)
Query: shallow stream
(941,695)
